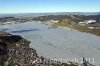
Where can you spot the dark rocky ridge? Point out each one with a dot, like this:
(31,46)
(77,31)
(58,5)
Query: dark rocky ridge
(15,51)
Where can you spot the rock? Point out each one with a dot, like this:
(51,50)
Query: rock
(3,53)
(15,50)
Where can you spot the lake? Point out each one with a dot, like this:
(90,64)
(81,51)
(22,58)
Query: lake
(57,43)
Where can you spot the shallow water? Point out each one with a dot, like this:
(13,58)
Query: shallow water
(57,43)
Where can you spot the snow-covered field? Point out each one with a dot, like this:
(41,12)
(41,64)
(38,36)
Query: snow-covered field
(58,43)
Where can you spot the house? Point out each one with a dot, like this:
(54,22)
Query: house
(54,21)
(82,23)
(91,27)
(90,21)
(87,22)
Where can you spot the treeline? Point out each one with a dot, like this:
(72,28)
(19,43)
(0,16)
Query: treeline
(60,18)
(73,17)
(51,17)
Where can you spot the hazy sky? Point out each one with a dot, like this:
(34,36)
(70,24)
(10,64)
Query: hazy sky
(38,6)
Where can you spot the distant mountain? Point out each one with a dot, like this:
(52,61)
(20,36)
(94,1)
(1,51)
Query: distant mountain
(44,14)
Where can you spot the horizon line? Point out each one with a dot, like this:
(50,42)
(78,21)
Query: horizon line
(53,12)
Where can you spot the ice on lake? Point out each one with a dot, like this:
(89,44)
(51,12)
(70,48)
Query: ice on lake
(57,43)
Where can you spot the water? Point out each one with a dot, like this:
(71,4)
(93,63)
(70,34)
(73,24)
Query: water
(57,43)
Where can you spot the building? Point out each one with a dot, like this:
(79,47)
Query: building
(87,22)
(54,21)
(90,21)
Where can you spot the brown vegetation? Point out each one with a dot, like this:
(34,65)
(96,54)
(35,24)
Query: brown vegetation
(73,25)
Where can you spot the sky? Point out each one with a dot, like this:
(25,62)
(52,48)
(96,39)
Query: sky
(45,6)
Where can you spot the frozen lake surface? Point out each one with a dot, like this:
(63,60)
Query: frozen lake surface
(57,43)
